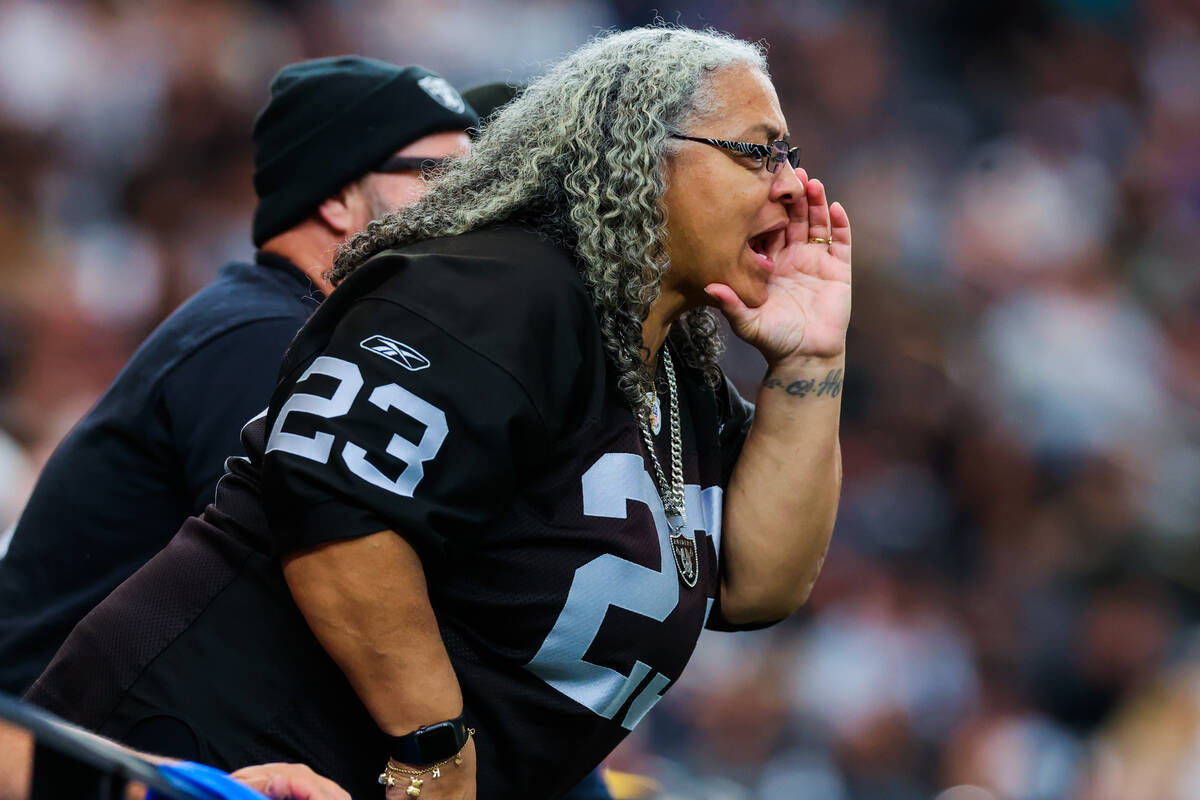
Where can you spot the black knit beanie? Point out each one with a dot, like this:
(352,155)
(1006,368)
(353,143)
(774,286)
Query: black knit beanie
(330,121)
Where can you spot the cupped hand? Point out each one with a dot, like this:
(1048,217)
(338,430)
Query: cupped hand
(289,782)
(807,310)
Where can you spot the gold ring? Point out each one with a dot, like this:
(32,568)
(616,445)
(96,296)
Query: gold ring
(819,240)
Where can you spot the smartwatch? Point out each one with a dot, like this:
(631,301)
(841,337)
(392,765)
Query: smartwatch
(430,744)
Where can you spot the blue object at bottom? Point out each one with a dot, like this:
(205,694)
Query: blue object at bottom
(204,783)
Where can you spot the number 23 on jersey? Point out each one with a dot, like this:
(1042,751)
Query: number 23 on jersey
(349,389)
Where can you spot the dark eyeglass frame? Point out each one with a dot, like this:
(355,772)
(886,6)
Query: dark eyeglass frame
(422,164)
(773,155)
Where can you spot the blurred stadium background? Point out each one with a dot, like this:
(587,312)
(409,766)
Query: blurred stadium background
(1009,611)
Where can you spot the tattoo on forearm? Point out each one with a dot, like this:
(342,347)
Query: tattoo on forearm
(830,386)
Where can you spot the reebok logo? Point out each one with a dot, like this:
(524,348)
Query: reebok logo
(397,352)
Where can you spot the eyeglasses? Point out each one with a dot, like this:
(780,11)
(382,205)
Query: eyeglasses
(422,164)
(773,155)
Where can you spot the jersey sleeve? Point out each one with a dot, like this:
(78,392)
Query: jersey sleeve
(736,414)
(399,425)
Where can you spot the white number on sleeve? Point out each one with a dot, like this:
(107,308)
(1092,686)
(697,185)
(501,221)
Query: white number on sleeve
(350,383)
(413,455)
(317,447)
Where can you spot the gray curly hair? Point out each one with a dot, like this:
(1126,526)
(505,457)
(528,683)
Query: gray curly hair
(578,157)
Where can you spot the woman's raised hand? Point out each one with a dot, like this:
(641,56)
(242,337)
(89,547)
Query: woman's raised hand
(807,309)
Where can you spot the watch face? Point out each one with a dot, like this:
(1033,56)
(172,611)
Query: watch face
(437,742)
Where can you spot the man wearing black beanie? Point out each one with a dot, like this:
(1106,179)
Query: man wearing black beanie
(324,146)
(340,141)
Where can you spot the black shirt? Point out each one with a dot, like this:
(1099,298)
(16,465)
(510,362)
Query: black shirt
(146,457)
(457,393)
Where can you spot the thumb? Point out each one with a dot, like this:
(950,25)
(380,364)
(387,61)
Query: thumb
(727,301)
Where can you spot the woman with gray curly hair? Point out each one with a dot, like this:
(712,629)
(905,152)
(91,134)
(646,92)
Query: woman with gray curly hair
(502,484)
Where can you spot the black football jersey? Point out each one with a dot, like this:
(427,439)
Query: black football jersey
(458,395)
(455,392)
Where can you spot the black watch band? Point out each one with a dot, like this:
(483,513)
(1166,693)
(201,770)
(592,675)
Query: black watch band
(430,744)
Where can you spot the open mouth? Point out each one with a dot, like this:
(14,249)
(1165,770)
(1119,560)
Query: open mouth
(766,245)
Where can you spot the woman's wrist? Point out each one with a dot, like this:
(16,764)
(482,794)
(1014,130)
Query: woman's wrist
(429,744)
(806,377)
(413,777)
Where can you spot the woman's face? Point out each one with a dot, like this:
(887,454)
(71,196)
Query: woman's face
(726,214)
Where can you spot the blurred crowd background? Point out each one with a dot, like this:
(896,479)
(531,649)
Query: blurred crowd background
(1009,610)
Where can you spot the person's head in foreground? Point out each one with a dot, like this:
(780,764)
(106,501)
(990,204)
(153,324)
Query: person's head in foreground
(595,156)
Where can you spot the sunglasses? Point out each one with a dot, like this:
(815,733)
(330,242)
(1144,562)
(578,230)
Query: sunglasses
(773,155)
(422,164)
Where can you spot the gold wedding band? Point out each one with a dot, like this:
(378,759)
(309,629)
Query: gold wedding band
(819,240)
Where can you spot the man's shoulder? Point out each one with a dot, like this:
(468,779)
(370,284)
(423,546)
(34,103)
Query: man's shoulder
(242,293)
(263,314)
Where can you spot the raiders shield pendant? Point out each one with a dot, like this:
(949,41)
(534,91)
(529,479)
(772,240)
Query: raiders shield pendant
(686,560)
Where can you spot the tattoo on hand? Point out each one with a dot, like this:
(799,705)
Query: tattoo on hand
(831,386)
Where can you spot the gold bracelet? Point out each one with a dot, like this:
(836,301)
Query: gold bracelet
(394,768)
